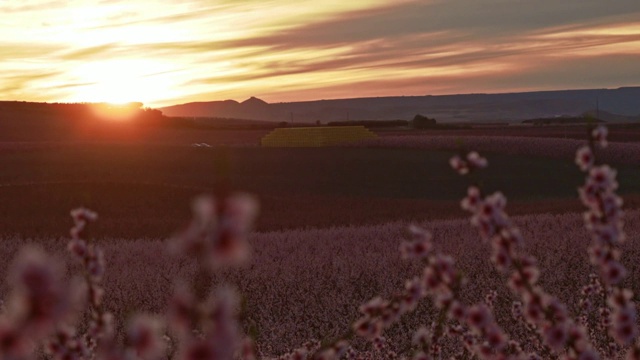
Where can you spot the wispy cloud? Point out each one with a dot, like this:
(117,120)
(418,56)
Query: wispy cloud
(167,52)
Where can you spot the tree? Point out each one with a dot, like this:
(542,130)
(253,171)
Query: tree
(423,122)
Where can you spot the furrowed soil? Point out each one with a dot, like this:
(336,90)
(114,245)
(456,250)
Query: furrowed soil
(144,190)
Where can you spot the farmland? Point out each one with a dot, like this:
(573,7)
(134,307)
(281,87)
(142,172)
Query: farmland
(145,190)
(307,284)
(330,223)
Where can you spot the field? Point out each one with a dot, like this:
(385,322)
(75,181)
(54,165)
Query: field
(308,284)
(330,223)
(145,190)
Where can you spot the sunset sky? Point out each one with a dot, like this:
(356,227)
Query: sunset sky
(164,52)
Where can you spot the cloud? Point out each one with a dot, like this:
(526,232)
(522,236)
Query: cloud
(21,82)
(198,50)
(91,52)
(11,50)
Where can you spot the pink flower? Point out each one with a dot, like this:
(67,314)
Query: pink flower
(101,326)
(459,165)
(444,266)
(472,161)
(556,336)
(620,297)
(533,312)
(414,291)
(497,200)
(218,233)
(476,161)
(391,314)
(599,134)
(14,344)
(479,316)
(421,336)
(78,247)
(379,343)
(457,311)
(633,353)
(80,214)
(39,298)
(588,354)
(95,263)
(611,206)
(603,177)
(584,158)
(490,298)
(613,272)
(421,356)
(419,247)
(368,328)
(298,354)
(96,293)
(556,310)
(145,337)
(530,274)
(373,306)
(247,350)
(495,338)
(485,226)
(80,218)
(473,199)
(204,210)
(589,194)
(501,259)
(624,328)
(199,350)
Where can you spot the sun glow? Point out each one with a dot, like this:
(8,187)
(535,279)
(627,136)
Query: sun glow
(116,112)
(123,81)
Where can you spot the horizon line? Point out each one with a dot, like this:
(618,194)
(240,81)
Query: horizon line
(326,99)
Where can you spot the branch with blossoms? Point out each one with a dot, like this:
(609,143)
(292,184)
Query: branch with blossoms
(560,333)
(604,219)
(38,302)
(66,342)
(204,321)
(442,282)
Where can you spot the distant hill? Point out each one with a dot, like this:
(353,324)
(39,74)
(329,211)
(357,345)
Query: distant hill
(595,116)
(572,120)
(513,107)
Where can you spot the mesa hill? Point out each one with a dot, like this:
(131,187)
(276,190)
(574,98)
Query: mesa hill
(512,107)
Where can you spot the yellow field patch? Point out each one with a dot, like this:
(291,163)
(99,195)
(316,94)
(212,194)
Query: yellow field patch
(316,136)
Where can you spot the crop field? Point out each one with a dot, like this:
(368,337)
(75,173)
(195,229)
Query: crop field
(145,190)
(308,284)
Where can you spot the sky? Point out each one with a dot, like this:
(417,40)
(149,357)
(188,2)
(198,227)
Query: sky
(169,52)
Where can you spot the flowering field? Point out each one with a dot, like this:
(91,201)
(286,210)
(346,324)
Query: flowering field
(308,284)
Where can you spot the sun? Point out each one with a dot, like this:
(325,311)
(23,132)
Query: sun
(123,81)
(116,112)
